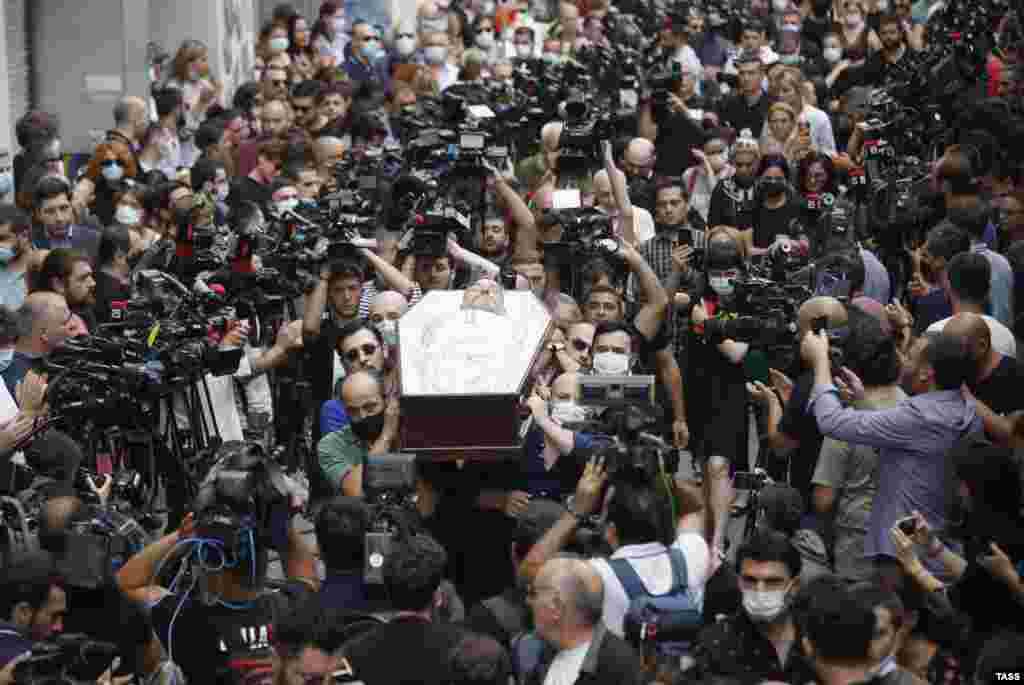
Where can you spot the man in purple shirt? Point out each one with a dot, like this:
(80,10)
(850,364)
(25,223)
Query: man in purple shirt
(912,438)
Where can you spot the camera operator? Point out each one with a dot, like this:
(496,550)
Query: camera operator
(372,429)
(69,274)
(880,66)
(332,304)
(652,344)
(715,368)
(675,128)
(498,243)
(341,526)
(226,627)
(611,196)
(638,528)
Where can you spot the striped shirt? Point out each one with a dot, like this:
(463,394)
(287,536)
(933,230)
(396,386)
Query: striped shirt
(371,291)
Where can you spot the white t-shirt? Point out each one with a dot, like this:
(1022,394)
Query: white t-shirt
(565,667)
(651,562)
(8,407)
(1003,341)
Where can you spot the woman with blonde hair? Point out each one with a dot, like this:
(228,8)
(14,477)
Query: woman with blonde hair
(190,73)
(813,126)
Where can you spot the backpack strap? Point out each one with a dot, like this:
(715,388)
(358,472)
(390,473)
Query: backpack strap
(629,578)
(678,561)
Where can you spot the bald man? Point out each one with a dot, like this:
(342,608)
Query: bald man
(372,428)
(604,199)
(386,309)
(533,169)
(999,377)
(638,164)
(554,435)
(130,122)
(47,323)
(566,600)
(328,151)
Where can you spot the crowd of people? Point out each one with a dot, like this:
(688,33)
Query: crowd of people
(879,469)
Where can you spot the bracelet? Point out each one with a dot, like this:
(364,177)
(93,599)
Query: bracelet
(936,548)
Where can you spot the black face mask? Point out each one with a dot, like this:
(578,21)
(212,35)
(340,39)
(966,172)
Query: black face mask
(743,181)
(772,186)
(368,429)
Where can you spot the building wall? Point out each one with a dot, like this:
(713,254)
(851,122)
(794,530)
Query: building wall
(16,70)
(79,64)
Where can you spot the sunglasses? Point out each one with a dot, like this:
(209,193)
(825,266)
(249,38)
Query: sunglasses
(368,350)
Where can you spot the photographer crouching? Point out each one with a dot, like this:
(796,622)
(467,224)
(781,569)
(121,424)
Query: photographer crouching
(217,613)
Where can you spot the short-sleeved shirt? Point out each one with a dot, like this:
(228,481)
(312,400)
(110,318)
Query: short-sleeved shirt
(652,563)
(852,470)
(222,643)
(339,452)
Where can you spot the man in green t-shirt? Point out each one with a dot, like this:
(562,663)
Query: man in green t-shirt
(372,430)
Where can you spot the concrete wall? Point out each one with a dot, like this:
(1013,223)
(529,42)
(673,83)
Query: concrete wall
(79,59)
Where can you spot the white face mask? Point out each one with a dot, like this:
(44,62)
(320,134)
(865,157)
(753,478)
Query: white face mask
(488,8)
(127,215)
(435,54)
(278,44)
(567,411)
(485,40)
(389,331)
(524,50)
(722,285)
(286,205)
(832,55)
(780,5)
(405,46)
(764,606)
(113,172)
(611,363)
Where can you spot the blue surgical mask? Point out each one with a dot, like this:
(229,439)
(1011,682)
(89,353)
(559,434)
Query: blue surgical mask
(5,358)
(7,255)
(113,172)
(6,183)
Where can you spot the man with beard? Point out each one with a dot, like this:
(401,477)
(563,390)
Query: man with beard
(69,274)
(998,376)
(880,66)
(52,214)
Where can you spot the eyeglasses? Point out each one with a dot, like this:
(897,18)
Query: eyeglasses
(367,350)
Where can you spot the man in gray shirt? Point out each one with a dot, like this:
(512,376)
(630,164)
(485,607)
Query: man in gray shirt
(912,437)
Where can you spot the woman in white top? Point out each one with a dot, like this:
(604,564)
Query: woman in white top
(190,73)
(701,179)
(330,34)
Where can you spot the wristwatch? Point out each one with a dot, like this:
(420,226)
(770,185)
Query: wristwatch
(556,346)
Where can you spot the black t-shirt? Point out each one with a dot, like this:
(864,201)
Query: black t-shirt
(799,424)
(406,651)
(999,390)
(787,220)
(222,643)
(678,134)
